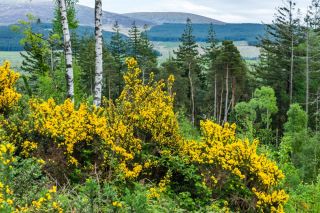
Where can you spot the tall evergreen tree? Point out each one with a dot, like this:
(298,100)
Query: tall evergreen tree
(231,75)
(211,52)
(187,60)
(117,49)
(134,41)
(279,66)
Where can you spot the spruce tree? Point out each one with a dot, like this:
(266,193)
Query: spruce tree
(117,48)
(36,56)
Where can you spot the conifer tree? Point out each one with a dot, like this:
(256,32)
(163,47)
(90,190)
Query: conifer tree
(210,56)
(117,49)
(279,67)
(231,73)
(134,41)
(187,60)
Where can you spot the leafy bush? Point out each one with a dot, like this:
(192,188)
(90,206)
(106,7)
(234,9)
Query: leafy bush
(130,155)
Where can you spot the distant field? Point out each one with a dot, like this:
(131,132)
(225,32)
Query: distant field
(250,53)
(166,49)
(13,56)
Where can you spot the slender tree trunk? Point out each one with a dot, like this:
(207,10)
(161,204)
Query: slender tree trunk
(215,97)
(109,85)
(220,105)
(291,71)
(51,61)
(191,95)
(317,110)
(227,96)
(292,53)
(143,75)
(307,73)
(67,49)
(99,69)
(233,99)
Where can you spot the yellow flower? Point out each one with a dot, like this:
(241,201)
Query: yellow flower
(53,189)
(117,204)
(9,201)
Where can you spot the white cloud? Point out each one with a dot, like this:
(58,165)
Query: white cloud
(225,10)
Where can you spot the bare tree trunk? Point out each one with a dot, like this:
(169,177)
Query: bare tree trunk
(317,112)
(98,50)
(233,92)
(307,73)
(291,4)
(67,49)
(220,106)
(109,85)
(291,71)
(143,75)
(191,95)
(227,96)
(215,97)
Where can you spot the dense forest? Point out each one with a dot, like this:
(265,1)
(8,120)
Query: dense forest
(9,40)
(97,124)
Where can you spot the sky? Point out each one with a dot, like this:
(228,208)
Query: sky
(231,11)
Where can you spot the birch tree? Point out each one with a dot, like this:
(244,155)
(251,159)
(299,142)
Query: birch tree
(67,49)
(98,57)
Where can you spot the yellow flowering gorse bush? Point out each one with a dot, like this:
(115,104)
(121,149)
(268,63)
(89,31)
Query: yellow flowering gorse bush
(221,155)
(8,95)
(137,138)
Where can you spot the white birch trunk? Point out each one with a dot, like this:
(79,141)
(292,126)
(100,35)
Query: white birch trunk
(67,49)
(98,50)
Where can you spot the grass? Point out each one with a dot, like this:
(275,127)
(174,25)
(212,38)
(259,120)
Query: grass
(167,49)
(250,53)
(14,57)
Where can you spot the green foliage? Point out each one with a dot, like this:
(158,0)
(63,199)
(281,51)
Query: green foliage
(245,117)
(297,120)
(71,16)
(305,198)
(29,180)
(265,102)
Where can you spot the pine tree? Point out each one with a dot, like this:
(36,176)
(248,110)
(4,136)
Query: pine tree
(231,75)
(210,56)
(279,67)
(134,41)
(117,49)
(36,56)
(187,60)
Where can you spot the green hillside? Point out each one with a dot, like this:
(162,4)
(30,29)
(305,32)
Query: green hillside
(234,32)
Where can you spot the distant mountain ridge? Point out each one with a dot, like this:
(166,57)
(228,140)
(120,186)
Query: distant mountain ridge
(172,17)
(11,13)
